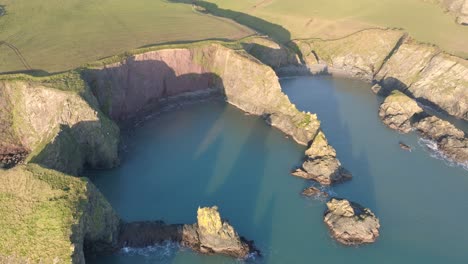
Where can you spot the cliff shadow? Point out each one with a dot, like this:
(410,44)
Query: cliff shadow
(275,31)
(238,196)
(68,154)
(136,89)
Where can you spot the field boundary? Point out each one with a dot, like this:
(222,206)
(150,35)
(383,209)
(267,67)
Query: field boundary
(18,54)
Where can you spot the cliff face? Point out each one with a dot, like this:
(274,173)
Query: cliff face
(397,62)
(55,128)
(428,75)
(139,82)
(359,55)
(47,216)
(457,7)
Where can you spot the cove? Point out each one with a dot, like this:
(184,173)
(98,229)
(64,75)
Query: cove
(212,154)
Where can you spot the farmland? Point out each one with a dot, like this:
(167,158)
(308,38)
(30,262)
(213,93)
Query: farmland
(57,35)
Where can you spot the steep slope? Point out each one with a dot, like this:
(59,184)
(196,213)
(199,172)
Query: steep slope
(48,216)
(60,129)
(139,82)
(396,61)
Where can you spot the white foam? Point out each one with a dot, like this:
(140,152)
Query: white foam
(165,250)
(434,152)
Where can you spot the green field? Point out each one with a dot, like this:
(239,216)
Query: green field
(57,35)
(330,19)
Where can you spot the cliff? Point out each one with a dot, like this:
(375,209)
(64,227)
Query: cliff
(60,122)
(138,83)
(53,124)
(396,61)
(48,216)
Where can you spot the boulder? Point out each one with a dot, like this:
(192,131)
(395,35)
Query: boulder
(314,191)
(451,141)
(321,164)
(398,110)
(350,223)
(376,88)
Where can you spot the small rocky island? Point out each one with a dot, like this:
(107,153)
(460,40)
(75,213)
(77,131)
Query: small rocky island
(350,223)
(321,164)
(210,235)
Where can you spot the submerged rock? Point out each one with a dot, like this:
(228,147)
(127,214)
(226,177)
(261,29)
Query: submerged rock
(321,164)
(450,140)
(210,235)
(350,223)
(398,110)
(405,147)
(314,191)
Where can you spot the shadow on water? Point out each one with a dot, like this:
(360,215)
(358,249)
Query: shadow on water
(326,105)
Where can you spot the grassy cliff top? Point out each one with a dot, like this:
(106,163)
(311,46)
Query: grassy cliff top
(38,208)
(58,35)
(331,19)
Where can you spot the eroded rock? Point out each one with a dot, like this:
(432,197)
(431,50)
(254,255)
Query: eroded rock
(210,235)
(321,164)
(398,110)
(350,223)
(314,191)
(450,140)
(215,235)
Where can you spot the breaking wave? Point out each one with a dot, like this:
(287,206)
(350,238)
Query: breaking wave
(434,152)
(159,252)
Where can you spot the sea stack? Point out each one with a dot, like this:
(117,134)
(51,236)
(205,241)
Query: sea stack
(321,164)
(350,223)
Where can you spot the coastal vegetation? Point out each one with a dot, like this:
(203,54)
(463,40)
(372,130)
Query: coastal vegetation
(54,125)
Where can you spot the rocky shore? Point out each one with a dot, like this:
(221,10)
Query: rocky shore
(398,111)
(350,223)
(402,113)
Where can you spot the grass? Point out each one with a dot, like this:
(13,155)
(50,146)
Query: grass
(58,35)
(329,19)
(38,208)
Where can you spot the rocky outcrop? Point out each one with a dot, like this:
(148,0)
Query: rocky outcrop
(402,113)
(359,55)
(321,164)
(459,8)
(314,191)
(48,216)
(429,75)
(350,223)
(451,141)
(398,110)
(59,129)
(210,235)
(271,53)
(395,61)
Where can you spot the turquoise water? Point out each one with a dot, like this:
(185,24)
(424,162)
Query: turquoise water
(212,154)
